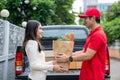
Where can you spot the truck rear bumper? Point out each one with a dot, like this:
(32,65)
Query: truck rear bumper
(70,75)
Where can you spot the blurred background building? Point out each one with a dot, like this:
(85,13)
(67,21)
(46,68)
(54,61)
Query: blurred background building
(103,7)
(80,6)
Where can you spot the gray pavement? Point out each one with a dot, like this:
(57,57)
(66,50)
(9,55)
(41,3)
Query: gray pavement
(115,69)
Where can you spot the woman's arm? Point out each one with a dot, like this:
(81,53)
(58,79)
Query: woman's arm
(32,53)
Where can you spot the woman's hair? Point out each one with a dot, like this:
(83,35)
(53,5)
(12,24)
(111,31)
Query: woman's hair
(30,32)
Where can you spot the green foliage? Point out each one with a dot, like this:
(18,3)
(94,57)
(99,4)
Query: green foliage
(81,21)
(48,12)
(19,11)
(63,39)
(2,4)
(112,29)
(111,23)
(45,9)
(62,12)
(113,12)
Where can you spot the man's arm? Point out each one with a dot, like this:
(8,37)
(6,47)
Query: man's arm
(78,57)
(84,56)
(77,52)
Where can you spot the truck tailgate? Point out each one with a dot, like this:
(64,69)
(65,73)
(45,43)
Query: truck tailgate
(70,75)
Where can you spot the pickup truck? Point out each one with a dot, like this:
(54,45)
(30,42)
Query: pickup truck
(51,33)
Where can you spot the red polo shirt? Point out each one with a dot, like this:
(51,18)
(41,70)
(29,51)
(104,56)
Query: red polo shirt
(94,69)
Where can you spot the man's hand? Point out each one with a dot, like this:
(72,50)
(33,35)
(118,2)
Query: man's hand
(61,57)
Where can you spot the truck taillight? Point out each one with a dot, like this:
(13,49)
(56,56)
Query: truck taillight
(107,66)
(18,63)
(107,63)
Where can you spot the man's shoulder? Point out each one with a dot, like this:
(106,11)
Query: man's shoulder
(99,32)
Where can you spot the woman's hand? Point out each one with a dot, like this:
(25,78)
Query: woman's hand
(58,68)
(54,62)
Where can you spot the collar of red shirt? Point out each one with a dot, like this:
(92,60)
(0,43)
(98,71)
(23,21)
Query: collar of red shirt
(96,29)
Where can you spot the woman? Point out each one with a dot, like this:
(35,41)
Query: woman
(36,57)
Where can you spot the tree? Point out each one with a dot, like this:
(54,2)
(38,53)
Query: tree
(62,11)
(21,11)
(113,12)
(112,30)
(2,4)
(46,11)
(111,24)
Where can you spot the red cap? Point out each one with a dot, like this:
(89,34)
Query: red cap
(90,12)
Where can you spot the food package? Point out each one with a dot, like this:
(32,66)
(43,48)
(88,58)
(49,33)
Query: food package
(66,47)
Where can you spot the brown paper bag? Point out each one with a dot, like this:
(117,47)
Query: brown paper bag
(66,47)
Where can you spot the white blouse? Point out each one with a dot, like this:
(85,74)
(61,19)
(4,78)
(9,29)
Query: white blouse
(38,66)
